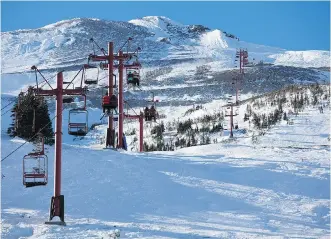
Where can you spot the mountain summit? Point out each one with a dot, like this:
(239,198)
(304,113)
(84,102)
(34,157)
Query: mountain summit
(163,41)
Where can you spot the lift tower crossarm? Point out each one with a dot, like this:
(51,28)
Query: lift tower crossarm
(123,57)
(64,92)
(131,66)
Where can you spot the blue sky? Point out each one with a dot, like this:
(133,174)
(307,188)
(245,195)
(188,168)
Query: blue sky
(289,25)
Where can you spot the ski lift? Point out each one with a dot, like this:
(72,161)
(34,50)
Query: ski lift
(78,121)
(133,74)
(109,105)
(35,168)
(78,128)
(90,81)
(152,112)
(109,109)
(68,99)
(75,127)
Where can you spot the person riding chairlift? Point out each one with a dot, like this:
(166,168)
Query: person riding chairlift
(152,112)
(130,78)
(146,113)
(135,78)
(109,103)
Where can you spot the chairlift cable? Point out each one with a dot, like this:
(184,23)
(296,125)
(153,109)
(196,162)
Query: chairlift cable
(31,137)
(13,101)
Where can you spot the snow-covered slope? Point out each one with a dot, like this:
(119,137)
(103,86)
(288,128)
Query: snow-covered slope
(277,188)
(163,41)
(225,190)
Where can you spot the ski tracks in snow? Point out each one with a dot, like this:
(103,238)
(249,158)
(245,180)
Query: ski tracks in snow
(236,190)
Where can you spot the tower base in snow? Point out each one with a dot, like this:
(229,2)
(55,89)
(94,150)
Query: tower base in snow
(56,210)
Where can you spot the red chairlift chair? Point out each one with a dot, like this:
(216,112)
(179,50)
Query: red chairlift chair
(78,128)
(35,168)
(90,81)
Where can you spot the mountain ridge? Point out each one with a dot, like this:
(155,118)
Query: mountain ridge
(163,41)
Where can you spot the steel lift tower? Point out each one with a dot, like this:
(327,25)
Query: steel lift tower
(57,201)
(120,57)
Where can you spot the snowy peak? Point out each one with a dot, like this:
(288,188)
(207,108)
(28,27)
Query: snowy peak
(155,22)
(214,39)
(63,24)
(163,29)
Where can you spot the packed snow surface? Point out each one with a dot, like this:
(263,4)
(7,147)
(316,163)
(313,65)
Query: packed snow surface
(279,187)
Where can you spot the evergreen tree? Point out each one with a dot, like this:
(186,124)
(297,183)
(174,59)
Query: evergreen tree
(146,147)
(162,126)
(285,116)
(193,140)
(208,140)
(30,115)
(315,100)
(301,101)
(11,131)
(306,99)
(256,121)
(246,117)
(188,143)
(177,142)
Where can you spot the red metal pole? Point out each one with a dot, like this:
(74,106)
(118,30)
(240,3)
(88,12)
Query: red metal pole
(110,78)
(231,121)
(120,102)
(58,142)
(237,91)
(57,201)
(58,136)
(240,60)
(141,133)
